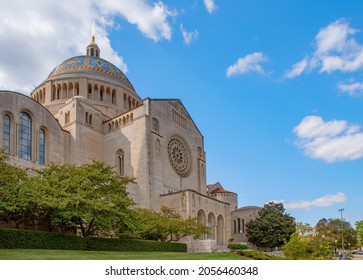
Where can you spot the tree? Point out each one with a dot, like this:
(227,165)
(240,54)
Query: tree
(272,228)
(303,229)
(91,197)
(334,230)
(359,230)
(321,249)
(296,247)
(167,225)
(16,197)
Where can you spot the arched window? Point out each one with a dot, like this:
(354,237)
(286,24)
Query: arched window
(101,94)
(108,95)
(59,91)
(70,90)
(6,135)
(89,95)
(90,119)
(113,98)
(86,118)
(120,158)
(76,89)
(25,136)
(125,101)
(67,117)
(41,147)
(43,95)
(64,91)
(155,125)
(53,93)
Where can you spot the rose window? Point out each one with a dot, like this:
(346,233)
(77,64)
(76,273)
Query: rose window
(179,155)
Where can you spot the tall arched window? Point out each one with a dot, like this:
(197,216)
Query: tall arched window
(113,98)
(155,125)
(120,158)
(101,94)
(25,136)
(89,94)
(41,147)
(76,87)
(6,135)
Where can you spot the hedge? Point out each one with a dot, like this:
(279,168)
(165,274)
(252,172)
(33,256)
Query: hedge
(236,246)
(257,255)
(26,239)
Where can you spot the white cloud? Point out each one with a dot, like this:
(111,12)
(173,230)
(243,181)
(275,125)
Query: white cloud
(249,63)
(335,37)
(36,36)
(150,20)
(335,50)
(353,89)
(188,36)
(329,141)
(297,69)
(324,201)
(210,5)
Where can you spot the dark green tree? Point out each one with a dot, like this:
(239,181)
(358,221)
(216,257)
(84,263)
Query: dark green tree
(90,197)
(16,197)
(272,228)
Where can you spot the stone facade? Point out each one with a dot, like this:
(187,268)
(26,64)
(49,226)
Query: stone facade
(239,218)
(87,110)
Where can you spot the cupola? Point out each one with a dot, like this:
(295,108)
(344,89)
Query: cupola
(92,48)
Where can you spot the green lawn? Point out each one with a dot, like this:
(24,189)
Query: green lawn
(34,254)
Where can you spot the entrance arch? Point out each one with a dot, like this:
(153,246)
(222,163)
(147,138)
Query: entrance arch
(212,225)
(201,220)
(220,230)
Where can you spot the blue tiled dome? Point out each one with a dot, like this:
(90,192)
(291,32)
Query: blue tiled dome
(92,65)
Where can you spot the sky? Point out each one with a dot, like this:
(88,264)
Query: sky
(275,87)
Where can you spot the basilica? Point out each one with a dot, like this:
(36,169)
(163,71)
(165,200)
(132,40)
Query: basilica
(87,109)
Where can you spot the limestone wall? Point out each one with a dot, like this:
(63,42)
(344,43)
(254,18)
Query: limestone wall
(56,140)
(168,118)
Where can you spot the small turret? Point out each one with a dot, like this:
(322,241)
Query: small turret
(92,48)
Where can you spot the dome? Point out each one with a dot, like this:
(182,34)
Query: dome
(91,65)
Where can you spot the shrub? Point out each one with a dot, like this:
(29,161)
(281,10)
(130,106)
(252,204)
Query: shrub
(256,255)
(296,248)
(236,246)
(23,239)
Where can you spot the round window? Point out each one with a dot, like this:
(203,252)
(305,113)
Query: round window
(179,155)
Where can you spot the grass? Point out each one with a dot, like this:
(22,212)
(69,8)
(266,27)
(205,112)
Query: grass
(35,254)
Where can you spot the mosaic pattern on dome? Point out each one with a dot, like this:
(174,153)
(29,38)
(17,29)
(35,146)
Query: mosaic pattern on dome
(91,64)
(74,60)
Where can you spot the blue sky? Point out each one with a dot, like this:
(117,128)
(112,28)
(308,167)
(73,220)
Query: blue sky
(275,87)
